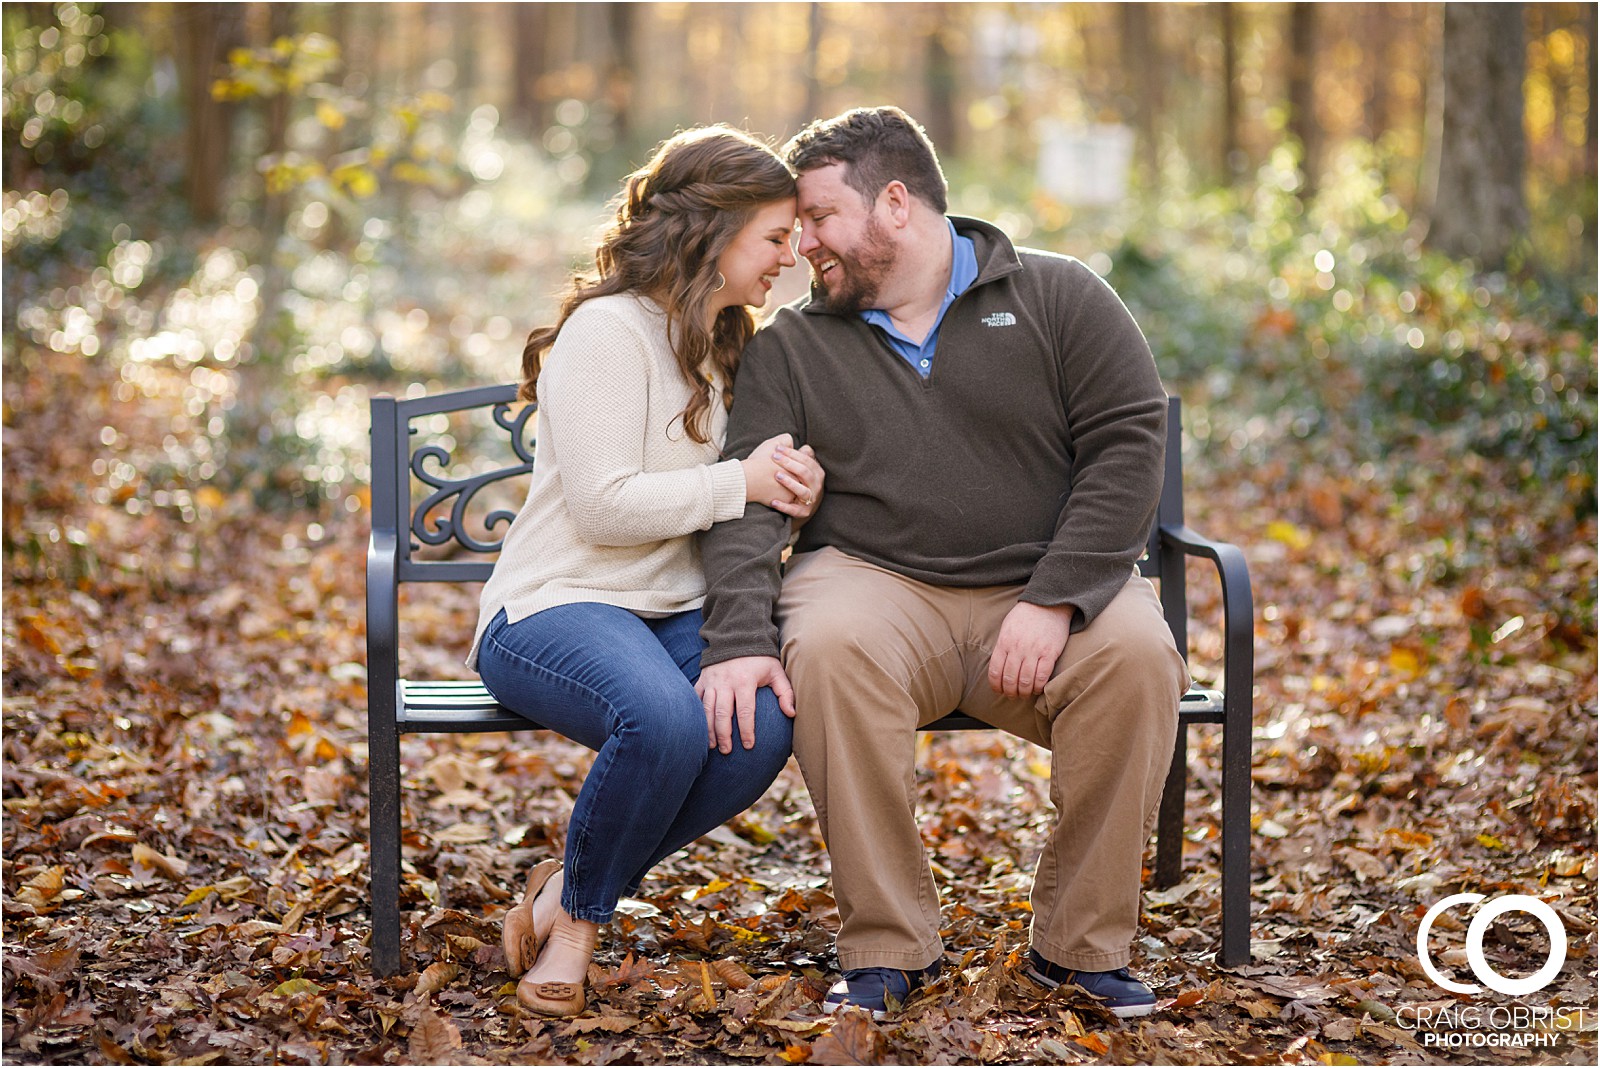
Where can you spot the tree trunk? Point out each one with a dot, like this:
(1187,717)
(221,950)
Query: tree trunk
(940,84)
(206,33)
(1590,160)
(810,68)
(1378,27)
(263,382)
(735,19)
(1141,66)
(335,232)
(462,20)
(621,29)
(274,207)
(1480,207)
(1591,121)
(1303,126)
(1233,159)
(366,55)
(530,31)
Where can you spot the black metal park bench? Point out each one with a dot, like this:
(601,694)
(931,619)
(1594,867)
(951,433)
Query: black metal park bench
(433,472)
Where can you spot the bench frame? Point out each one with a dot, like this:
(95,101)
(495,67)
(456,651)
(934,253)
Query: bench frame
(399,706)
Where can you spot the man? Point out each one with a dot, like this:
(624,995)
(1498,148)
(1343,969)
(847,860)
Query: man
(992,425)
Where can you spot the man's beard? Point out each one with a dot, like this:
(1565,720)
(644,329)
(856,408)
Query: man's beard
(860,273)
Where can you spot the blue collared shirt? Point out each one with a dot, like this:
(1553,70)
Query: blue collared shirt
(963,272)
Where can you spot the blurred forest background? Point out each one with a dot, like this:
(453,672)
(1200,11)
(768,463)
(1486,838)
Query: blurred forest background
(1361,239)
(1320,211)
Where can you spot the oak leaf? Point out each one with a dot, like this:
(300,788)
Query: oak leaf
(853,1040)
(631,970)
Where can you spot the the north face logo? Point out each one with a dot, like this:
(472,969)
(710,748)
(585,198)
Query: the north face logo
(1000,319)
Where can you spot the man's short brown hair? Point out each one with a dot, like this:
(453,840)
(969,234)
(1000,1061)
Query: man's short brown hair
(877,146)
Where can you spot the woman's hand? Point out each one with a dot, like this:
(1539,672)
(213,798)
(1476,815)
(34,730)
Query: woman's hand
(761,485)
(802,476)
(786,479)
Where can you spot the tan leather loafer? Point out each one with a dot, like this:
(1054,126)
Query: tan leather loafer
(517,936)
(552,999)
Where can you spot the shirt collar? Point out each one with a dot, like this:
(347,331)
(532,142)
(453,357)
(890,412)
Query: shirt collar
(963,263)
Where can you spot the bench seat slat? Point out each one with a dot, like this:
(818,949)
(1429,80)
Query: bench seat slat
(460,705)
(463,721)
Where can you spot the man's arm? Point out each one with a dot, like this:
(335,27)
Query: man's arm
(741,561)
(740,556)
(1116,409)
(1117,416)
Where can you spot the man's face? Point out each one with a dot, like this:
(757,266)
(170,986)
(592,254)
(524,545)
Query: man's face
(849,248)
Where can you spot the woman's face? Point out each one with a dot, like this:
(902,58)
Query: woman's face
(758,253)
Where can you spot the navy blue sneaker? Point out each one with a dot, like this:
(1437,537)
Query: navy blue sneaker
(1118,991)
(874,988)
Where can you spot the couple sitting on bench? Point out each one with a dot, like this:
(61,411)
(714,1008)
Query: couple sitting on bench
(992,427)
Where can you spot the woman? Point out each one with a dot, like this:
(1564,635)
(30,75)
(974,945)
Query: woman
(590,624)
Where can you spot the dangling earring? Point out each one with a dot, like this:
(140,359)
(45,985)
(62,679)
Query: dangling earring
(721,282)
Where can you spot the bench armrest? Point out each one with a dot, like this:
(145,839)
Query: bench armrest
(1238,616)
(383,629)
(1239,621)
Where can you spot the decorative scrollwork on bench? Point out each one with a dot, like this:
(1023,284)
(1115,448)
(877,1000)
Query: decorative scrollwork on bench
(429,462)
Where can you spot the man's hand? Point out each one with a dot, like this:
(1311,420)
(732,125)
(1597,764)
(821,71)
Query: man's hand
(728,690)
(1031,640)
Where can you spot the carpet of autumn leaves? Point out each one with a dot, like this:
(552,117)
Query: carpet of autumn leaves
(184,798)
(185,806)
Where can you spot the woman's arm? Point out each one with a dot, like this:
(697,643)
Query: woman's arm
(593,394)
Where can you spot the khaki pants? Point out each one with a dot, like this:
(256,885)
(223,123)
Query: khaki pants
(874,655)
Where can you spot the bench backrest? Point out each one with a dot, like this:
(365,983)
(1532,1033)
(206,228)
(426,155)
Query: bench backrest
(419,500)
(1169,511)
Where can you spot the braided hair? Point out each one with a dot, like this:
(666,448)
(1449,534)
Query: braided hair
(674,217)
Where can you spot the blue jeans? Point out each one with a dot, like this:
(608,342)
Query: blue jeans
(624,687)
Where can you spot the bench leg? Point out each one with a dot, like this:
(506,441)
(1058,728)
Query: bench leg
(1169,823)
(1235,845)
(383,782)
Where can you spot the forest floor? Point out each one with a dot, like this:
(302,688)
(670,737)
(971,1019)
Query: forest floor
(185,803)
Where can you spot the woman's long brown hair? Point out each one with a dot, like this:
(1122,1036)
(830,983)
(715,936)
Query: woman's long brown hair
(674,218)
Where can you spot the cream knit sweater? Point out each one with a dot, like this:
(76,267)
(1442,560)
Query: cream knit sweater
(618,487)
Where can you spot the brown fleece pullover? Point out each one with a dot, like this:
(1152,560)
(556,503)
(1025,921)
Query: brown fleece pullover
(1032,454)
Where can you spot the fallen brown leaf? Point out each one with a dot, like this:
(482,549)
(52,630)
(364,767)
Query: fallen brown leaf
(44,887)
(853,1039)
(169,866)
(436,977)
(433,1040)
(732,974)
